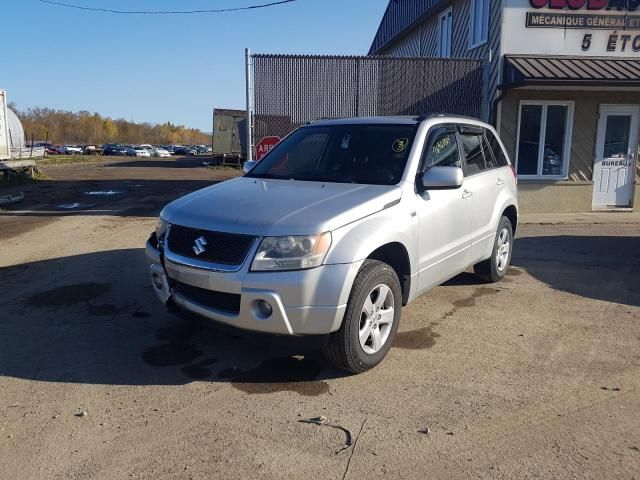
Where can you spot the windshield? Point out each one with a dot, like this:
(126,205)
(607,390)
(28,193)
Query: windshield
(364,154)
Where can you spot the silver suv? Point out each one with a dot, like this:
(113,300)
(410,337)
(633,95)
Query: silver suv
(338,227)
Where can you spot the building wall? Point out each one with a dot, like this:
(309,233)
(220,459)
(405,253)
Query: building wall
(423,41)
(585,123)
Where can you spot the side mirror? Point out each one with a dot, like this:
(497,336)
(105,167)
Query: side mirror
(442,178)
(248,165)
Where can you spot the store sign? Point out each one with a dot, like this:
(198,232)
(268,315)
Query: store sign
(582,21)
(618,5)
(572,27)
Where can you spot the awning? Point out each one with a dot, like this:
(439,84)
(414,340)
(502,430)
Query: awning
(522,70)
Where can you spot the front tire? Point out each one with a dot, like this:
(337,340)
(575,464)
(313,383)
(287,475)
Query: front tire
(370,322)
(495,268)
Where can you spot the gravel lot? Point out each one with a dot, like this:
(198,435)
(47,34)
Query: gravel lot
(535,377)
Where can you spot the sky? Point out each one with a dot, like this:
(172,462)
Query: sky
(158,68)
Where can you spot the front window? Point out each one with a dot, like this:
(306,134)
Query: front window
(544,140)
(478,23)
(363,154)
(441,150)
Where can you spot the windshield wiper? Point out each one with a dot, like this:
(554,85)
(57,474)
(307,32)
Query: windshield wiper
(270,176)
(325,179)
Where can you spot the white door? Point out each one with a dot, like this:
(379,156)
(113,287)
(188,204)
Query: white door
(615,162)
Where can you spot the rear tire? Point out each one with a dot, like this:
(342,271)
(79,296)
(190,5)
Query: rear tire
(495,268)
(370,322)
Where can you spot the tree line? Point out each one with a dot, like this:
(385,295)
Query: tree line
(86,128)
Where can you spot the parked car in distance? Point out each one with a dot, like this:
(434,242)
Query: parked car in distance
(115,149)
(340,225)
(70,150)
(92,150)
(53,150)
(200,149)
(185,151)
(140,152)
(160,152)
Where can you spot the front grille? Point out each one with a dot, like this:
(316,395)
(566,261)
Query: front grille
(218,247)
(222,301)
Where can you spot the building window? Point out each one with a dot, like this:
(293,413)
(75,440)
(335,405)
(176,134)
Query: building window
(479,23)
(444,33)
(544,139)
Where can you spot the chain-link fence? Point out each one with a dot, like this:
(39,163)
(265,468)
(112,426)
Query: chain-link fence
(290,90)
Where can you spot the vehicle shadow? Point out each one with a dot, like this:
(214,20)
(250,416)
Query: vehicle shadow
(117,197)
(100,322)
(93,318)
(599,267)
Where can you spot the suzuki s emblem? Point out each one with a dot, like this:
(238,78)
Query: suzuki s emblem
(199,245)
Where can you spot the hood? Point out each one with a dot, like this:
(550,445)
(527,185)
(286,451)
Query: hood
(278,207)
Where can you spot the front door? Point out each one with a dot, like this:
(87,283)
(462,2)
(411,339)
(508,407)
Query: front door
(444,215)
(615,162)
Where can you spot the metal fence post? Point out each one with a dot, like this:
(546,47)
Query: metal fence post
(250,99)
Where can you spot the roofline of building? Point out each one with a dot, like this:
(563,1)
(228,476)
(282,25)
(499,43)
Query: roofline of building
(405,30)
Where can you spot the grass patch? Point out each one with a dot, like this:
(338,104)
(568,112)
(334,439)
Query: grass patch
(225,168)
(65,159)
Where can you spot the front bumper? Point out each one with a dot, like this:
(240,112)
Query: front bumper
(305,302)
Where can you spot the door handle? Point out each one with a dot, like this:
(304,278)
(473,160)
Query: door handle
(500,182)
(466,194)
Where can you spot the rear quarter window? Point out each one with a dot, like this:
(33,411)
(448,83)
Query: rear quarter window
(496,149)
(473,153)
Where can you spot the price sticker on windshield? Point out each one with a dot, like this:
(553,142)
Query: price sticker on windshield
(400,144)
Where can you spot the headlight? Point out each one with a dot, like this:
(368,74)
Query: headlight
(161,228)
(291,253)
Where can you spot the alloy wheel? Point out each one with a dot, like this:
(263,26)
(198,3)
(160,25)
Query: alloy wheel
(376,319)
(503,249)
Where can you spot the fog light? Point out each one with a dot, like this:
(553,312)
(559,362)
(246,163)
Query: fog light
(265,308)
(157,281)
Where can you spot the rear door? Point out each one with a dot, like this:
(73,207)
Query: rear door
(444,215)
(481,184)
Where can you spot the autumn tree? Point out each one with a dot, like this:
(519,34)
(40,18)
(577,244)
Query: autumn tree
(84,127)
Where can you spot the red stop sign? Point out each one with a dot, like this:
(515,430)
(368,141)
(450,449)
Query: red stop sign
(265,145)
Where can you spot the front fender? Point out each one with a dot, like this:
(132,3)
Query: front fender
(356,241)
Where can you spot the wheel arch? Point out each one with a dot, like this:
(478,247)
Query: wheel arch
(511,212)
(395,255)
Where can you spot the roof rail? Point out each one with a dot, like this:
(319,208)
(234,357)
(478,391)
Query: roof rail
(425,116)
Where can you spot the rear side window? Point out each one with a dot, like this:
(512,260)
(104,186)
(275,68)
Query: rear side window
(472,153)
(498,153)
(488,156)
(441,150)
